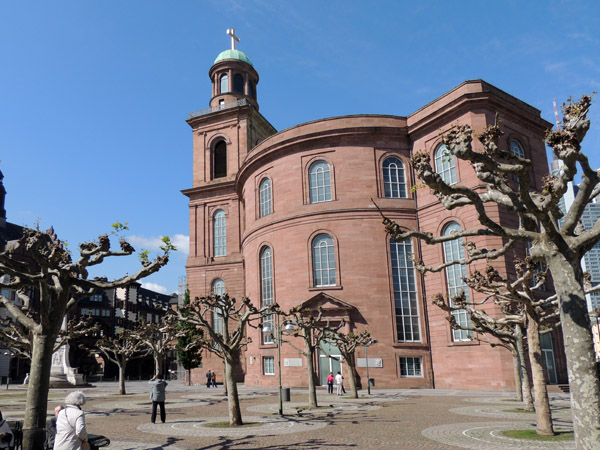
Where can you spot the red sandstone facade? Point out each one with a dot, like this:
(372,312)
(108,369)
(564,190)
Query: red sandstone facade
(270,247)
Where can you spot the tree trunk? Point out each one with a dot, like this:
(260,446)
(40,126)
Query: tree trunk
(352,374)
(189,377)
(122,367)
(312,390)
(233,400)
(542,404)
(526,383)
(158,364)
(579,348)
(517,375)
(34,425)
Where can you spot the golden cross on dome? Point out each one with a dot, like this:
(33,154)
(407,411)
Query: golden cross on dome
(234,38)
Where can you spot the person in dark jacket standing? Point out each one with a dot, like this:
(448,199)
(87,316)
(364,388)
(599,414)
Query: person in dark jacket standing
(158,396)
(208,378)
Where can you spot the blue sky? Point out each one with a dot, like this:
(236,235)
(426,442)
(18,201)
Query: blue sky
(94,94)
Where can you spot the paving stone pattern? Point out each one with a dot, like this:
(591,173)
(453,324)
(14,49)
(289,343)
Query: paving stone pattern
(386,420)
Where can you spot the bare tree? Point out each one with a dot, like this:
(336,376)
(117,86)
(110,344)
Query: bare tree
(40,264)
(560,245)
(226,338)
(20,339)
(347,344)
(122,348)
(521,306)
(312,329)
(158,338)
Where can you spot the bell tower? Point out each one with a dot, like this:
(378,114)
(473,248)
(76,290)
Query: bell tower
(233,76)
(223,135)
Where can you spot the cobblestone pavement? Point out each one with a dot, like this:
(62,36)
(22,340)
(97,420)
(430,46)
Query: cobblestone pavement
(388,419)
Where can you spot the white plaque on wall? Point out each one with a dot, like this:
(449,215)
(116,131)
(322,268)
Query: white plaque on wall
(292,362)
(373,362)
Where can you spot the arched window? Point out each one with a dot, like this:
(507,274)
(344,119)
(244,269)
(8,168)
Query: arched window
(252,90)
(218,288)
(453,251)
(265,202)
(319,182)
(224,83)
(445,164)
(238,83)
(394,182)
(516,149)
(323,259)
(266,288)
(405,291)
(220,233)
(220,160)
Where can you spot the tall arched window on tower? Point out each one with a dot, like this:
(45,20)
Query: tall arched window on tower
(224,82)
(405,291)
(265,202)
(220,233)
(266,288)
(218,288)
(220,160)
(238,83)
(453,251)
(319,175)
(394,181)
(445,164)
(323,259)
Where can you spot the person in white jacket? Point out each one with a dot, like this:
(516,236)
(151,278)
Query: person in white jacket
(70,423)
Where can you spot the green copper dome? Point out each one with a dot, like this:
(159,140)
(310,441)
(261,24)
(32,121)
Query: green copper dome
(233,54)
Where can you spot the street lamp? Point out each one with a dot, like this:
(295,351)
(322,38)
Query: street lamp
(367,363)
(266,330)
(10,354)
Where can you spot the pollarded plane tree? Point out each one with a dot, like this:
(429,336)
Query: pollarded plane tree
(224,321)
(39,264)
(312,329)
(522,304)
(560,246)
(347,344)
(19,339)
(122,348)
(158,337)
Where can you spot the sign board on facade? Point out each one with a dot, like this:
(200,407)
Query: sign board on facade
(292,362)
(373,362)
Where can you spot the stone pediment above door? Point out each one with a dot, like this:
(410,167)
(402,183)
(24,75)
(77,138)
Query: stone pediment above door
(332,307)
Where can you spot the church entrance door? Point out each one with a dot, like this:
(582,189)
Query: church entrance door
(329,361)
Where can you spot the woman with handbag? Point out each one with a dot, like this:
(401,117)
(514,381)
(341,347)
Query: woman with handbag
(70,424)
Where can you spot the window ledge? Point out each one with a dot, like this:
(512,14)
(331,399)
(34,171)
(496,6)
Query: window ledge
(325,288)
(463,343)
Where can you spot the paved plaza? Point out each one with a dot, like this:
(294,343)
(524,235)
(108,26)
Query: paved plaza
(388,419)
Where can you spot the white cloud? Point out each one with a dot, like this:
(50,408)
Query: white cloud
(181,241)
(155,287)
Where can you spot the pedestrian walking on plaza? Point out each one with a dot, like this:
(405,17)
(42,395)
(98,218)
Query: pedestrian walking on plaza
(208,378)
(330,380)
(339,380)
(158,396)
(213,378)
(71,433)
(6,436)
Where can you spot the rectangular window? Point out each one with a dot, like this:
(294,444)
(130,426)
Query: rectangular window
(410,367)
(405,292)
(269,365)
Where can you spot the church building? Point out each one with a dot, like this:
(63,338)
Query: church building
(287,217)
